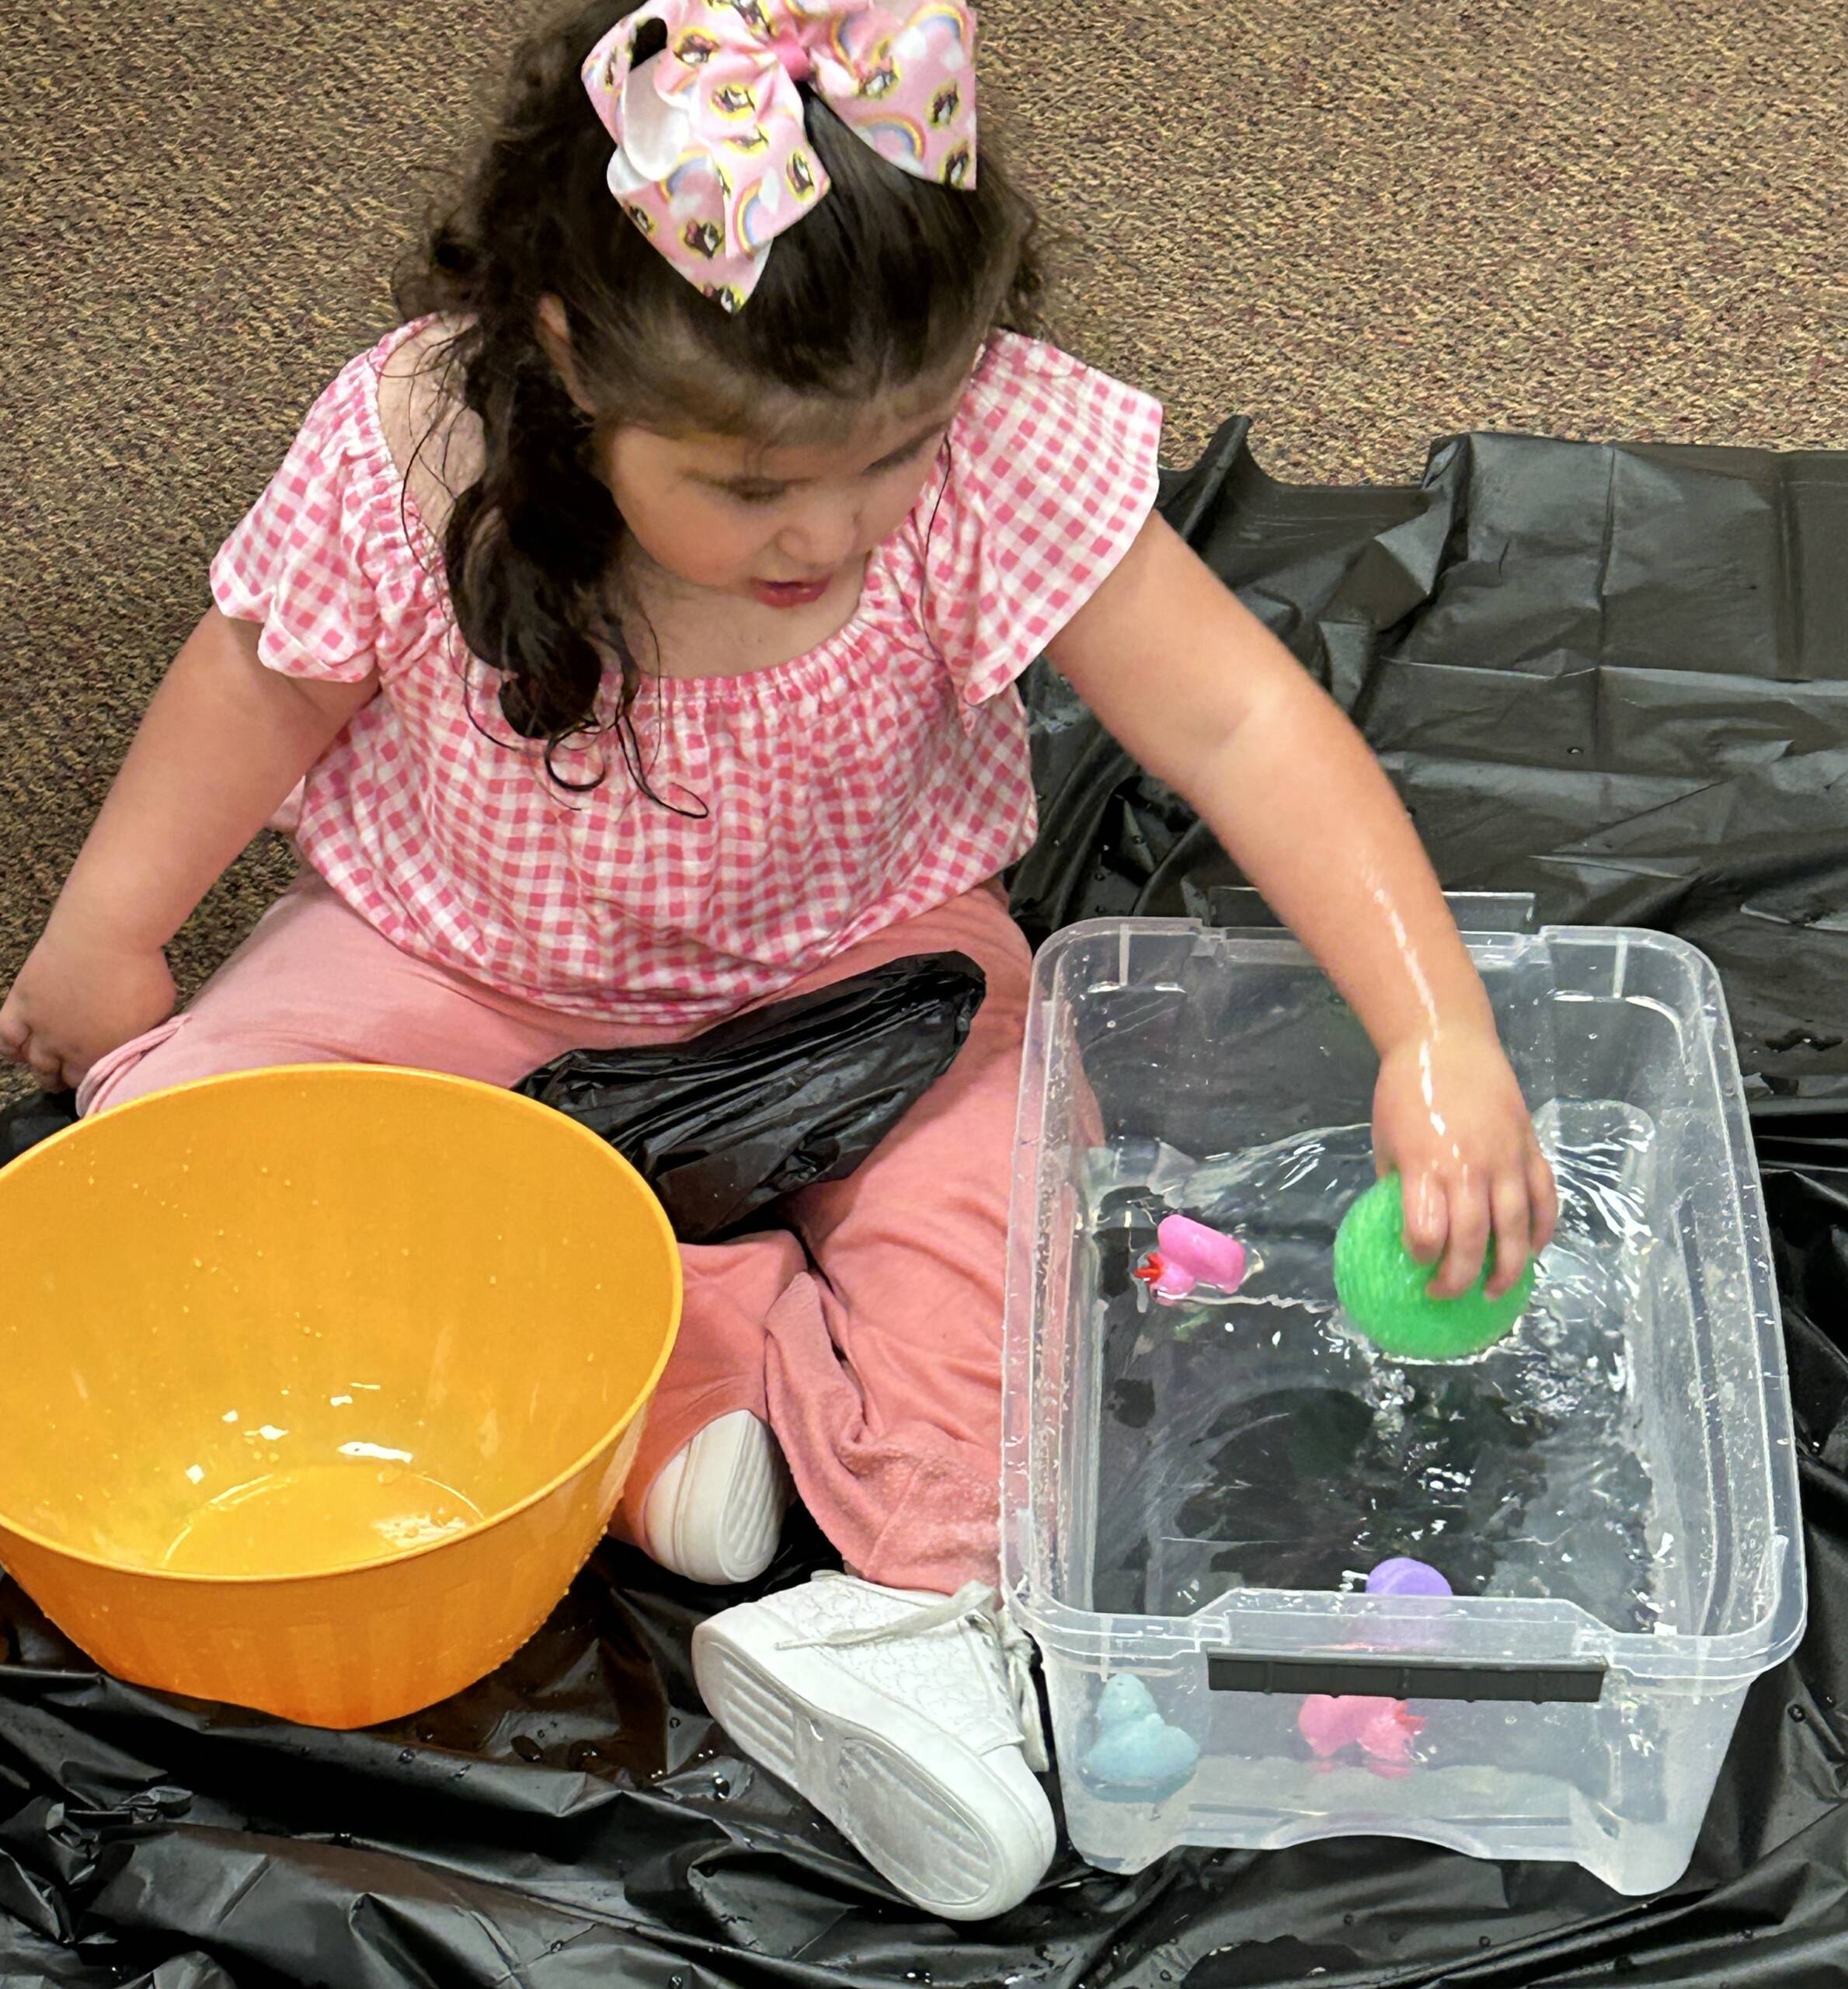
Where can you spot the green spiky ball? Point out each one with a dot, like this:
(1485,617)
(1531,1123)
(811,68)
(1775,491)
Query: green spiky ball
(1382,1288)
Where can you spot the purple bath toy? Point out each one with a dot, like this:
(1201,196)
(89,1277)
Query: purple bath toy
(1189,1255)
(1404,1576)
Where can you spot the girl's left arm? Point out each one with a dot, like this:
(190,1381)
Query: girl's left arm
(1199,692)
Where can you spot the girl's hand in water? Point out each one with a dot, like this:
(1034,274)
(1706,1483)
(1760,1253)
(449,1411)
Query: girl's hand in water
(1195,688)
(78,998)
(1449,1118)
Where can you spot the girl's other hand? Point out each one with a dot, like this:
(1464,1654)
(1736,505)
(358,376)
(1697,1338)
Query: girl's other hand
(79,997)
(1450,1119)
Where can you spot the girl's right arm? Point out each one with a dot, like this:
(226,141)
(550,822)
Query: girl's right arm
(224,743)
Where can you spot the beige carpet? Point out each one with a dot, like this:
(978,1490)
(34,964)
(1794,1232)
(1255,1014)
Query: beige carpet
(1362,222)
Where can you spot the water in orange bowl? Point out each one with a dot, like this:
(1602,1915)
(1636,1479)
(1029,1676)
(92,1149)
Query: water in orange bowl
(317,1517)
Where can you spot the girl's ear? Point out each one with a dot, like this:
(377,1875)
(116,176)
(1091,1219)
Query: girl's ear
(554,329)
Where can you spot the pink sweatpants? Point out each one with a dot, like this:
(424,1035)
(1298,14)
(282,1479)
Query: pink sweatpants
(869,1339)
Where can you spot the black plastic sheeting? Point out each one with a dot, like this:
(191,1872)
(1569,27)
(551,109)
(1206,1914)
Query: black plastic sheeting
(1614,678)
(24,1125)
(723,1128)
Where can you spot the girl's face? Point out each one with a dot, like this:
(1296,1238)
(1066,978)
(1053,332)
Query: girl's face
(779,525)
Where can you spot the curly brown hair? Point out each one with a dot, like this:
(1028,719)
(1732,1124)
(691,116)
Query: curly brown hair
(887,281)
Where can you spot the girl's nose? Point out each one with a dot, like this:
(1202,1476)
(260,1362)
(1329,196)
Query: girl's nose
(825,535)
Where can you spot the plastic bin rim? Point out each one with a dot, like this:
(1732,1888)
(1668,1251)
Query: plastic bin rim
(1279,937)
(316,1073)
(1081,1636)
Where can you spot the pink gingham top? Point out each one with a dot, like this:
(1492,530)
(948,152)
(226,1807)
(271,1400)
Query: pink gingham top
(874,779)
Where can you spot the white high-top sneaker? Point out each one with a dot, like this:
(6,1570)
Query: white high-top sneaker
(715,1513)
(910,1721)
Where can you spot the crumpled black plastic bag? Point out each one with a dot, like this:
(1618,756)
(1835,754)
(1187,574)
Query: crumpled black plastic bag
(723,1128)
(576,1820)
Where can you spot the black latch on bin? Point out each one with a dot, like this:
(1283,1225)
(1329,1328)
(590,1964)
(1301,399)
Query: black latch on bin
(1236,908)
(1410,1678)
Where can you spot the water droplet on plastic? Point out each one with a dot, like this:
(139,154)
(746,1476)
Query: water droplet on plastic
(527,1748)
(1798,1715)
(409,1754)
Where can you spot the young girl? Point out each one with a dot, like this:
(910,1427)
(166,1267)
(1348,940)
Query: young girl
(632,636)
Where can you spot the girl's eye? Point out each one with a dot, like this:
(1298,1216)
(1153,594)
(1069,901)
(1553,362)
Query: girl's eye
(754,494)
(921,446)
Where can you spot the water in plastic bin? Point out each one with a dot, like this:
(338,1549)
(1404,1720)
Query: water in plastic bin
(1256,1439)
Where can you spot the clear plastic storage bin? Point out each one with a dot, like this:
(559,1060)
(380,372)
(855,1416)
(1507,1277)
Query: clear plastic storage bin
(1194,1496)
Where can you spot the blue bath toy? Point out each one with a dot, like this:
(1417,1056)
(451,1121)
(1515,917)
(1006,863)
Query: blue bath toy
(1137,1757)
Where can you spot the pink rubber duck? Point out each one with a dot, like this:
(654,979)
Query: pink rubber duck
(1189,1255)
(1383,1730)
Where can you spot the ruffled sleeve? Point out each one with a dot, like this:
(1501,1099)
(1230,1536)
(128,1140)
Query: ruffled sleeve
(1052,474)
(303,560)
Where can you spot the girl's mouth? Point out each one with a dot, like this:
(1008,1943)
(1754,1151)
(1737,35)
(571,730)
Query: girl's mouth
(790,594)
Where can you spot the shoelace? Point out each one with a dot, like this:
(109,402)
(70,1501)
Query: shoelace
(979,1606)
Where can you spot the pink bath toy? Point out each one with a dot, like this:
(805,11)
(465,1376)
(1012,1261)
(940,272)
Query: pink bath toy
(1189,1255)
(1383,1730)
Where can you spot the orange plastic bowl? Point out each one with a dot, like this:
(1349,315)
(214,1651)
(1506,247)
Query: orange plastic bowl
(321,1383)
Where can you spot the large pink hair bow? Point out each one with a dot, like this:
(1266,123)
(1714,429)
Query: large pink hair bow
(713,158)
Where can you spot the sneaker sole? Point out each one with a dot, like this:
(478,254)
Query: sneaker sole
(743,1541)
(934,1845)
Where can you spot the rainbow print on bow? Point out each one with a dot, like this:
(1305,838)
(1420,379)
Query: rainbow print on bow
(713,158)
